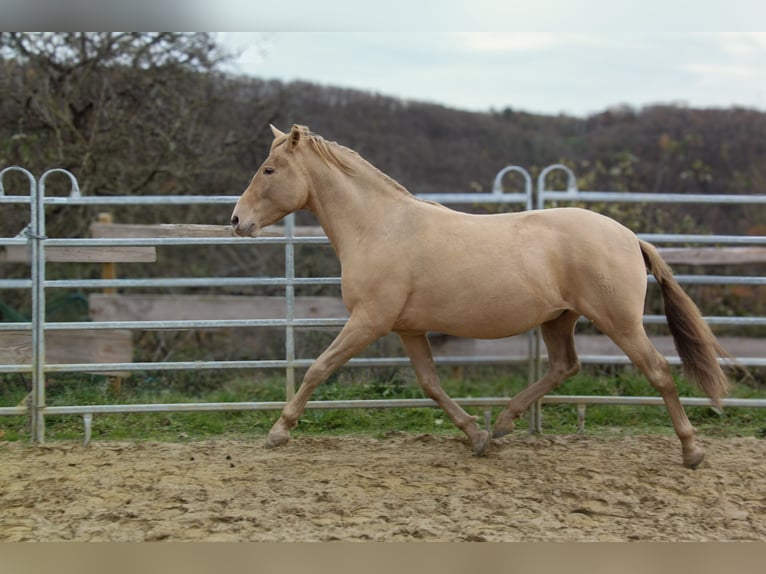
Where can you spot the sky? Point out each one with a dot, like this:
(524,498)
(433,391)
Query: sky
(580,57)
(575,73)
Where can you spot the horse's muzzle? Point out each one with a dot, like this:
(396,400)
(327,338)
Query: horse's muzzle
(243,230)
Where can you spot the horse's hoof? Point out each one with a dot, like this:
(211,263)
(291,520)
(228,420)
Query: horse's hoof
(694,458)
(480,443)
(277,439)
(500,430)
(503,425)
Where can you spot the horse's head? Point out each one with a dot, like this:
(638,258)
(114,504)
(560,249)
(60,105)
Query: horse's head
(279,187)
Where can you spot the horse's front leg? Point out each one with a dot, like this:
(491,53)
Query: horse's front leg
(355,336)
(419,351)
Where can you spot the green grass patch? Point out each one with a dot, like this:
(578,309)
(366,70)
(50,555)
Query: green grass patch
(355,385)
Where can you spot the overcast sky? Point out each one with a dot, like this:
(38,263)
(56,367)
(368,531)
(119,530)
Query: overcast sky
(586,55)
(576,73)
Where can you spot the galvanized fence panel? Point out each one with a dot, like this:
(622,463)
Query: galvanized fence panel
(35,238)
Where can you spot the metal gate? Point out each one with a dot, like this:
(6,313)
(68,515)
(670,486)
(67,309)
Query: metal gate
(34,238)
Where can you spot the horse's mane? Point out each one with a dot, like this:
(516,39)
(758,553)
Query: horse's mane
(344,159)
(347,160)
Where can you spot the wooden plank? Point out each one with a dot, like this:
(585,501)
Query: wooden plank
(713,255)
(20,254)
(138,307)
(130,230)
(68,347)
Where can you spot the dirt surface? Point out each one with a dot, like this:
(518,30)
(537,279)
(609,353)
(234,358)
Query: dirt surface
(404,487)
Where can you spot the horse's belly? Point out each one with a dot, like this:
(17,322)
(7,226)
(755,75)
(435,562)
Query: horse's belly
(479,316)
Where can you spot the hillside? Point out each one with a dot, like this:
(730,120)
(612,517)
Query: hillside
(173,124)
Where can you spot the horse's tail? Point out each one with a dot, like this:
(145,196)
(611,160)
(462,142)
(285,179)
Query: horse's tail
(695,342)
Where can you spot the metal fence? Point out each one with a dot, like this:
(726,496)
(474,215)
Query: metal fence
(34,237)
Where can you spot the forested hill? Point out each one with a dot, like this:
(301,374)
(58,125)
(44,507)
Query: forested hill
(153,113)
(431,148)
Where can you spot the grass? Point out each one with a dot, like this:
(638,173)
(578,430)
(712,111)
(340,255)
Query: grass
(353,384)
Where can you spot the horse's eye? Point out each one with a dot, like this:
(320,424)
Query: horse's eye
(268,170)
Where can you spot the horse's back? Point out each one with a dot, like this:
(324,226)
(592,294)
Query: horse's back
(557,238)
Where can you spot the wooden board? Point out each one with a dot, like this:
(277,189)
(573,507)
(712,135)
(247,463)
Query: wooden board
(68,347)
(713,255)
(139,307)
(95,254)
(129,230)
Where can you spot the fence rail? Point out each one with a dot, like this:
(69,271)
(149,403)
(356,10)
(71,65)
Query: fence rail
(34,238)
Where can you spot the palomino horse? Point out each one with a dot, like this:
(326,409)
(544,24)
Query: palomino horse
(412,266)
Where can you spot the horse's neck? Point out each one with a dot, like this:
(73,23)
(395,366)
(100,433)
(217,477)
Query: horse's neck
(352,208)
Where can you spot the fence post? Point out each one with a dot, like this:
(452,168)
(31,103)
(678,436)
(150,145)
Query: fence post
(536,409)
(108,268)
(109,271)
(533,336)
(34,233)
(535,373)
(38,302)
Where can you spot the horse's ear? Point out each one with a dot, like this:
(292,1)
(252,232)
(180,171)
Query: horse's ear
(277,133)
(296,133)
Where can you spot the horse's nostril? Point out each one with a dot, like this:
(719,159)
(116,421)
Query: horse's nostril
(234,220)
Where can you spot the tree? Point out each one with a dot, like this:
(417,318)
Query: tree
(124,111)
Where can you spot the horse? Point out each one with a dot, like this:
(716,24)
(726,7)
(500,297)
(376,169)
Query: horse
(411,266)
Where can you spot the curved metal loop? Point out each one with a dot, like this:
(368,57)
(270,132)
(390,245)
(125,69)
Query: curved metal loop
(571,179)
(571,190)
(497,184)
(75,190)
(32,180)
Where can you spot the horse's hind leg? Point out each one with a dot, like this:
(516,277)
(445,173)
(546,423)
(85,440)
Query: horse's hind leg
(558,335)
(419,351)
(655,367)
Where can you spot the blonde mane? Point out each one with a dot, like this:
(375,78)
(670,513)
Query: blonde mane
(344,159)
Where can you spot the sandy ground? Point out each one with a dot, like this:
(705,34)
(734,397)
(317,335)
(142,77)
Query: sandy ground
(403,487)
